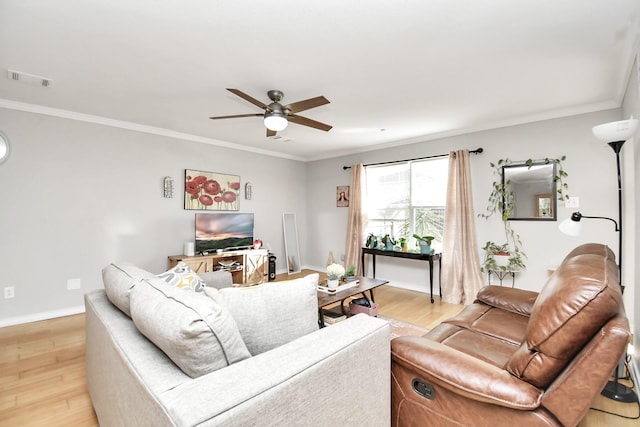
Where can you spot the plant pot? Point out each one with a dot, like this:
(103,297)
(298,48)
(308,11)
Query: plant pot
(425,248)
(388,246)
(349,278)
(405,248)
(332,284)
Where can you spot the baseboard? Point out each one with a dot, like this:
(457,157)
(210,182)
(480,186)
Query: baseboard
(633,367)
(36,317)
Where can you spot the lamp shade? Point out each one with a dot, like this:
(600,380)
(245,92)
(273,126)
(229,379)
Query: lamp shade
(571,227)
(275,122)
(615,131)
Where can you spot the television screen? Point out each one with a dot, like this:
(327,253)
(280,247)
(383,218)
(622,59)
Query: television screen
(223,231)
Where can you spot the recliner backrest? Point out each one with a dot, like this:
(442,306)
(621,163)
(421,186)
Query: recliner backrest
(579,298)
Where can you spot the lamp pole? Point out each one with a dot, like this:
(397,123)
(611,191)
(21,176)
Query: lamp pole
(617,146)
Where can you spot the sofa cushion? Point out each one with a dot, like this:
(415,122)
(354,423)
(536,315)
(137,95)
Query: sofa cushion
(581,296)
(119,279)
(273,313)
(195,332)
(182,276)
(217,279)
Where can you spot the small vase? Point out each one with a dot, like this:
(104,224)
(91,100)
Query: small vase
(332,284)
(388,246)
(425,248)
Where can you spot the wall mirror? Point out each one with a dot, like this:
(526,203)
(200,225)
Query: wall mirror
(4,147)
(291,248)
(534,190)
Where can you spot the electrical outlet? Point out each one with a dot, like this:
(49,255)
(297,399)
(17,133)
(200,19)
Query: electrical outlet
(573,202)
(9,292)
(73,284)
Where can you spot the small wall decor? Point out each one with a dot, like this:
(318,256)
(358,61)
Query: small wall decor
(342,196)
(248,191)
(168,187)
(211,191)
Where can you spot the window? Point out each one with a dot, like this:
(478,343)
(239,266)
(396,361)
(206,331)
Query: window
(407,198)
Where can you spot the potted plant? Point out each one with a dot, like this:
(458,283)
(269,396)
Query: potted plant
(334,272)
(501,257)
(425,243)
(350,274)
(388,242)
(403,244)
(372,241)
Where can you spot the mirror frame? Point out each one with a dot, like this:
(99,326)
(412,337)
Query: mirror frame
(537,195)
(291,243)
(7,146)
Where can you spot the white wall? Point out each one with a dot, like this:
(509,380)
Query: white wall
(76,196)
(592,178)
(631,164)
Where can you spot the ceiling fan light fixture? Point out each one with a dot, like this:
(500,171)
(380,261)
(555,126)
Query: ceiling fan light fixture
(275,121)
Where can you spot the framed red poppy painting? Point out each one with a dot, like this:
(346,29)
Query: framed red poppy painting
(211,191)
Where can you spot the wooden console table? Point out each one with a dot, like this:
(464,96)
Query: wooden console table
(411,255)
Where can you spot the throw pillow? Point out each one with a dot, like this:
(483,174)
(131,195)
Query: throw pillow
(119,279)
(195,332)
(273,313)
(182,276)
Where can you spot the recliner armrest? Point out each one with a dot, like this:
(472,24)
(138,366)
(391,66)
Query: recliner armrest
(511,299)
(462,374)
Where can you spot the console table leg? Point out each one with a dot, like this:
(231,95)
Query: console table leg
(431,278)
(373,259)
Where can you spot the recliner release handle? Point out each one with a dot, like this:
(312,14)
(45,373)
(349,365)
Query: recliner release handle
(424,389)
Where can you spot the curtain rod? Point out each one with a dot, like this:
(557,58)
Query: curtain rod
(477,151)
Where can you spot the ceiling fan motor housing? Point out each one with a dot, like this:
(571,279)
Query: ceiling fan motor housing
(275,95)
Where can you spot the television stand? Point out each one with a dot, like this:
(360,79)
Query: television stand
(250,266)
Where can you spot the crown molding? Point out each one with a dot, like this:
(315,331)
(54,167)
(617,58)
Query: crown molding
(136,127)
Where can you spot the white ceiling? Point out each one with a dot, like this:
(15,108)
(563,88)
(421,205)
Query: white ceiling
(395,71)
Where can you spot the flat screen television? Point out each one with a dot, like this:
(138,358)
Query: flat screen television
(225,231)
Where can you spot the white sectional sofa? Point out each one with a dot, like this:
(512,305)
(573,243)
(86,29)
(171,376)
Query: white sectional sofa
(322,377)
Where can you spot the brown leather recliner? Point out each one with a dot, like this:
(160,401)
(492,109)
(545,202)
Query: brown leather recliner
(516,357)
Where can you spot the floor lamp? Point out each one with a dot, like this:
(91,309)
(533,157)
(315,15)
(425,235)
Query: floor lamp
(615,134)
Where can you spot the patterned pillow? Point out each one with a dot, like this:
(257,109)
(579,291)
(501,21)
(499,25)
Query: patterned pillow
(182,276)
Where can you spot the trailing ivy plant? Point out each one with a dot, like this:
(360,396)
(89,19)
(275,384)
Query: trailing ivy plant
(502,203)
(558,178)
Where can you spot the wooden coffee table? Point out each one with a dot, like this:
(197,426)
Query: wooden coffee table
(366,284)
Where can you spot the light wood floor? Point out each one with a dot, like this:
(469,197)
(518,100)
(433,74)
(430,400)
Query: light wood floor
(42,367)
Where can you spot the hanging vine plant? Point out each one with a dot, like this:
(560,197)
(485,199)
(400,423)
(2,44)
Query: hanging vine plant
(502,202)
(558,178)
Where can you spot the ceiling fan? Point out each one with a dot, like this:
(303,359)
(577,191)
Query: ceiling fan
(277,116)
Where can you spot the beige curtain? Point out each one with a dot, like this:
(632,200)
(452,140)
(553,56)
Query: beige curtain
(461,276)
(356,222)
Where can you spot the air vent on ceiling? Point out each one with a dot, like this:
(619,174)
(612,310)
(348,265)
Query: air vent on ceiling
(30,79)
(279,138)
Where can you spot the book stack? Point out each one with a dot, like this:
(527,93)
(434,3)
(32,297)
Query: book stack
(331,316)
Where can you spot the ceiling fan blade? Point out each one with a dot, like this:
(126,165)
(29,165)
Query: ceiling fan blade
(248,98)
(271,133)
(296,107)
(237,115)
(308,122)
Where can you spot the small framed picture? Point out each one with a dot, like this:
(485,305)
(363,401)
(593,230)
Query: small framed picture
(342,196)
